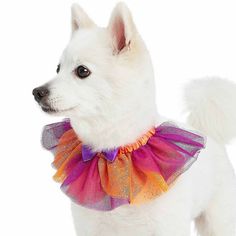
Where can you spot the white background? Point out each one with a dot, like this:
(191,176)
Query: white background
(187,39)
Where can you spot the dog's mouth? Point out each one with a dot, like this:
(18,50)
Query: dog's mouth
(50,110)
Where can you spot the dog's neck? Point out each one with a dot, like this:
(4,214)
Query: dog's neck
(115,131)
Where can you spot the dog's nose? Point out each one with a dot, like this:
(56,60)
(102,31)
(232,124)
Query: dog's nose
(40,93)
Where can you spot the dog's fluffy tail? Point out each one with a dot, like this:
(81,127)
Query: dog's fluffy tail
(211,103)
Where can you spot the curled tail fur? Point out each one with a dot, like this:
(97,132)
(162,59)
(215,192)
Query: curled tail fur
(211,103)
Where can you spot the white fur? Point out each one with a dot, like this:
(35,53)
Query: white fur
(116,104)
(211,103)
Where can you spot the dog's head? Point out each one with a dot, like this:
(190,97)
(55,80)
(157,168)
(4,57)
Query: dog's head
(104,74)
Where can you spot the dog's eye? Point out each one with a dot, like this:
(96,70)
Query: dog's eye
(82,72)
(58,68)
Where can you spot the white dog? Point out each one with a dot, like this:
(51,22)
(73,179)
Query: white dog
(105,85)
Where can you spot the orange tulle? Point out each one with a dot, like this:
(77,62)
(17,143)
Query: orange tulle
(65,152)
(123,180)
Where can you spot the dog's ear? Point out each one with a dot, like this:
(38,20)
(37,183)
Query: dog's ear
(121,28)
(79,19)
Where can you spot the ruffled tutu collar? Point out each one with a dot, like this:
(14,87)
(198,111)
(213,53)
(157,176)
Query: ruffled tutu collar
(133,174)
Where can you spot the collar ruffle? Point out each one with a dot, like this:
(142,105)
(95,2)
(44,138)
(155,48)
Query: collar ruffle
(134,174)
